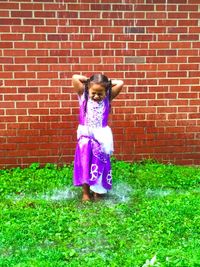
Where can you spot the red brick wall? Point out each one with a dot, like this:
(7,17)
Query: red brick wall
(153,45)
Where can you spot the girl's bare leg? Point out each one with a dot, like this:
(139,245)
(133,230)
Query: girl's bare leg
(86,192)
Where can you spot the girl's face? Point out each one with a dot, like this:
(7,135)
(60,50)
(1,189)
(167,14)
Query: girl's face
(97,92)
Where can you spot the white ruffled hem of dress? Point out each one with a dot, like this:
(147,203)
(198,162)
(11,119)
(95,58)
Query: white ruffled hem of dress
(105,137)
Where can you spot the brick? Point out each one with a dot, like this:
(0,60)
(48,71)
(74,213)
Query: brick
(187,109)
(4,28)
(6,75)
(38,82)
(188,23)
(149,53)
(177,74)
(194,59)
(155,30)
(194,30)
(170,52)
(35,37)
(156,15)
(15,83)
(133,15)
(57,37)
(10,6)
(188,53)
(129,60)
(187,8)
(8,147)
(109,15)
(17,126)
(167,37)
(175,15)
(78,7)
(189,67)
(189,81)
(25,60)
(21,14)
(46,29)
(189,37)
(55,6)
(37,53)
(25,45)
(141,45)
(122,7)
(177,59)
(94,30)
(11,37)
(6,45)
(14,97)
(146,110)
(85,22)
(28,119)
(165,7)
(195,88)
(31,6)
(100,7)
(180,45)
(14,53)
(25,75)
(49,104)
(177,30)
(44,14)
(143,7)
(33,21)
(194,73)
(147,37)
(80,68)
(10,21)
(7,104)
(46,60)
(134,30)
(194,15)
(177,2)
(102,23)
(47,45)
(60,22)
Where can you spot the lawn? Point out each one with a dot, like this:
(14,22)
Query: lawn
(150,218)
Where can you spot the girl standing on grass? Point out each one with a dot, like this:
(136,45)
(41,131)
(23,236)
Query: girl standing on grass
(92,168)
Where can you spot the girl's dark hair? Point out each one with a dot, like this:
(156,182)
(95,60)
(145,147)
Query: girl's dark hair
(97,79)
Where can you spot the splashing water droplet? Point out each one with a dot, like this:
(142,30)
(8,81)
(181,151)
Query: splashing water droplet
(120,193)
(58,195)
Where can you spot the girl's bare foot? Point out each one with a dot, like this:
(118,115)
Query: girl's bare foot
(98,196)
(86,197)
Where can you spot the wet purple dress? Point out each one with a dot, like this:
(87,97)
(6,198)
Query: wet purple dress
(95,145)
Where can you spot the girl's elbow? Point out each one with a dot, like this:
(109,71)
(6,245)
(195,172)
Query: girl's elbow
(121,82)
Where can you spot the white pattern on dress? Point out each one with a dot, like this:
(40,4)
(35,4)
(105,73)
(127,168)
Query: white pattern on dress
(109,177)
(94,113)
(94,172)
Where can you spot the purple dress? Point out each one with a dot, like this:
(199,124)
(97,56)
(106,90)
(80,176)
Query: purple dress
(95,145)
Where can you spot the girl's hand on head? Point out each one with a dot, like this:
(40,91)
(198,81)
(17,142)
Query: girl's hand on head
(116,87)
(78,82)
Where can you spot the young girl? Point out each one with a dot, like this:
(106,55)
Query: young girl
(92,168)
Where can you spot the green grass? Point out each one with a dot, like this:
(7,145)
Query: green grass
(150,218)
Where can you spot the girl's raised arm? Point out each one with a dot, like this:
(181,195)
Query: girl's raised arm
(116,87)
(78,83)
